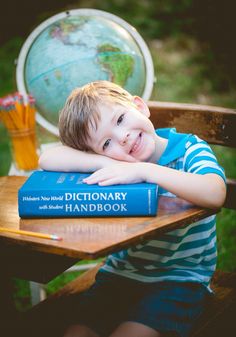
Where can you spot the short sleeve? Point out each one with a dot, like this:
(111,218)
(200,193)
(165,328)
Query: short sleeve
(200,159)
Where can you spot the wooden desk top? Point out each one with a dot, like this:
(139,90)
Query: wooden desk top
(89,238)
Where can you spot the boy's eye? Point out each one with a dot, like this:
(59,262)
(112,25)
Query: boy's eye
(120,119)
(106,144)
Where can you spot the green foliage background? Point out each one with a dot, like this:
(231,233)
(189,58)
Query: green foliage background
(191,45)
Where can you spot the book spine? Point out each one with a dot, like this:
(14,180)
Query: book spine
(87,203)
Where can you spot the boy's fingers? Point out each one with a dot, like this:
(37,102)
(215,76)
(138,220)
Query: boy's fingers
(97,176)
(94,175)
(107,182)
(96,180)
(90,178)
(104,180)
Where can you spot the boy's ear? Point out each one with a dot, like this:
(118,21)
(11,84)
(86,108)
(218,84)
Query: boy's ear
(141,105)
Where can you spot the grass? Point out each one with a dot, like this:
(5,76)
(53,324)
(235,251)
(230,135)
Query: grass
(181,76)
(5,151)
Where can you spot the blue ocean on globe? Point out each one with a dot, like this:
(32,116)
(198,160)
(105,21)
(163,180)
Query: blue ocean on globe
(76,50)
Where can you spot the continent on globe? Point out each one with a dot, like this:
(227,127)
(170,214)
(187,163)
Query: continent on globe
(61,30)
(119,65)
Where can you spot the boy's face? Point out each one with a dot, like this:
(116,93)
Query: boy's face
(124,133)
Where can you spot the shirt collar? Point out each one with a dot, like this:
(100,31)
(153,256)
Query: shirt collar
(176,146)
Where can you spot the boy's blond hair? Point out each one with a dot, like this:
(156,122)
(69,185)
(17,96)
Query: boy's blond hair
(81,111)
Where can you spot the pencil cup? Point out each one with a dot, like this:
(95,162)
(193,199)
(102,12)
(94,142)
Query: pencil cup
(18,116)
(24,149)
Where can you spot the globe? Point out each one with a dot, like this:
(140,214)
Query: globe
(76,47)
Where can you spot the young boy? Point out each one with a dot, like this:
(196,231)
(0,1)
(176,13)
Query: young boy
(161,285)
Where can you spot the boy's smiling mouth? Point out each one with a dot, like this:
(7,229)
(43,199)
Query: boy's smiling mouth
(135,146)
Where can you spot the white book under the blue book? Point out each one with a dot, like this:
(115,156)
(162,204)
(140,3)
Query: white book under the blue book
(62,194)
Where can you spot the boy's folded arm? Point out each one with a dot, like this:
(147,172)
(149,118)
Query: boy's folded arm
(208,190)
(66,159)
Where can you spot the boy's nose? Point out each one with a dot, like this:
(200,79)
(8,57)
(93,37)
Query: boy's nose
(124,139)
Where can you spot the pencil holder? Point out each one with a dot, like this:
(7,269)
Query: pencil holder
(24,149)
(18,116)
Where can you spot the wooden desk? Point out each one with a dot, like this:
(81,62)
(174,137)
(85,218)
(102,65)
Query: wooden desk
(83,238)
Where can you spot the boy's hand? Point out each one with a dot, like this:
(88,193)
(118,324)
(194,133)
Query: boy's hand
(122,173)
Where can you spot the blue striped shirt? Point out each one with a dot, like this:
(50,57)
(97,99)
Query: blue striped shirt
(185,254)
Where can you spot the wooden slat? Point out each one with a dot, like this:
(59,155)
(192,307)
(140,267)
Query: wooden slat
(219,316)
(216,125)
(230,201)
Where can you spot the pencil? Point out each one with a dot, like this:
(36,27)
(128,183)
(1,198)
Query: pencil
(34,234)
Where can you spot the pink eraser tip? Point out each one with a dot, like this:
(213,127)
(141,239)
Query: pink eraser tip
(57,238)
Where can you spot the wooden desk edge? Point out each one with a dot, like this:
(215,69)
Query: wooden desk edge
(34,245)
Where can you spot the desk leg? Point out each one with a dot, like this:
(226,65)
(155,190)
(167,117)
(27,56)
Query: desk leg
(8,312)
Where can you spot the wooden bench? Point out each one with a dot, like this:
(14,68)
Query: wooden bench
(217,126)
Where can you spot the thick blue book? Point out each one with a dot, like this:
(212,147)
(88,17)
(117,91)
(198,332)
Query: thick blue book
(60,194)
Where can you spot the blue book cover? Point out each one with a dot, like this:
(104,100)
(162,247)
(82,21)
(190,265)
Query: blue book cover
(61,194)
